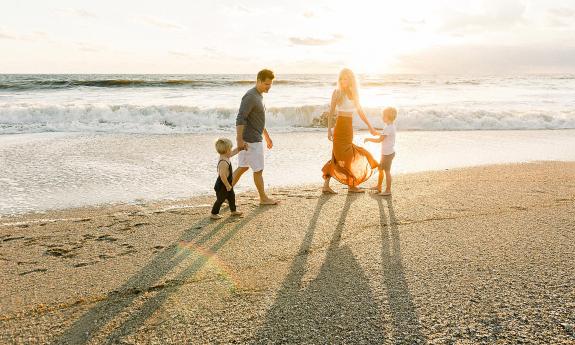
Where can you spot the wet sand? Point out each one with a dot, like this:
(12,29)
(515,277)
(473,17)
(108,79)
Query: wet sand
(478,255)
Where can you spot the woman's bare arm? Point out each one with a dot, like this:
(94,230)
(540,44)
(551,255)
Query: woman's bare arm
(363,117)
(331,113)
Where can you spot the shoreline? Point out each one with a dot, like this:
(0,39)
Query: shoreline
(63,171)
(478,254)
(205,200)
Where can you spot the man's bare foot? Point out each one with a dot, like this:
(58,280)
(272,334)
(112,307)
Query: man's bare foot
(268,201)
(386,193)
(237,214)
(215,216)
(355,190)
(328,190)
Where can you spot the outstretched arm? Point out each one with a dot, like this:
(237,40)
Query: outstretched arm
(363,117)
(236,151)
(375,140)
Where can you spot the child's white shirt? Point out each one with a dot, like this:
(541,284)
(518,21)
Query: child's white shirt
(388,144)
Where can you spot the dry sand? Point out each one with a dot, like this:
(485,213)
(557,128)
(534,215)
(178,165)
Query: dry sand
(480,255)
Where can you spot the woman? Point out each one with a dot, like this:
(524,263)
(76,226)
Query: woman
(349,164)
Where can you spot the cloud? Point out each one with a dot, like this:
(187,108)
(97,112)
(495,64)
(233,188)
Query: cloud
(488,59)
(159,23)
(495,16)
(238,9)
(88,47)
(560,17)
(310,66)
(31,37)
(562,12)
(7,36)
(312,41)
(77,12)
(180,54)
(412,25)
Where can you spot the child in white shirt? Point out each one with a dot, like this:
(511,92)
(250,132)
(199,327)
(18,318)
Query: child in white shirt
(387,140)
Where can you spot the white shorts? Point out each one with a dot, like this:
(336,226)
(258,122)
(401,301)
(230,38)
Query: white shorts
(253,157)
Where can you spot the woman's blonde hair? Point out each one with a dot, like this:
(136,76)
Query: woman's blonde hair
(223,145)
(353,87)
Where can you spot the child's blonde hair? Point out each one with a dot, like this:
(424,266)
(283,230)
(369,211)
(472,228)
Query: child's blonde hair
(390,112)
(223,145)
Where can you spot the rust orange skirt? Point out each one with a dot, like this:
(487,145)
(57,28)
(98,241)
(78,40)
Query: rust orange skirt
(349,164)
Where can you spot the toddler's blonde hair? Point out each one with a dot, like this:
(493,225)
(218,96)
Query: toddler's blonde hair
(223,145)
(391,112)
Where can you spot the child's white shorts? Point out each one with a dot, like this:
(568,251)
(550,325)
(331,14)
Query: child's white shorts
(253,157)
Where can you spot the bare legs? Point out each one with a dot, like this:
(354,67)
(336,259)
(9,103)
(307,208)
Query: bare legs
(258,181)
(326,188)
(237,174)
(388,181)
(387,174)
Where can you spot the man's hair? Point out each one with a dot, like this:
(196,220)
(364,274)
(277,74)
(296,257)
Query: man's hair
(265,74)
(391,112)
(223,145)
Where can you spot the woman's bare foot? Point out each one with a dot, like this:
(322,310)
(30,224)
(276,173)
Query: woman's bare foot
(376,188)
(215,216)
(328,190)
(386,193)
(355,190)
(268,201)
(237,214)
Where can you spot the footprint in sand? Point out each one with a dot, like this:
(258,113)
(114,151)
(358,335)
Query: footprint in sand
(520,208)
(59,252)
(33,271)
(106,237)
(12,238)
(82,264)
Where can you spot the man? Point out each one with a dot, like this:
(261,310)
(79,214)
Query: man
(250,126)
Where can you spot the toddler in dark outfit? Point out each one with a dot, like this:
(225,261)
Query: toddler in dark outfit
(224,189)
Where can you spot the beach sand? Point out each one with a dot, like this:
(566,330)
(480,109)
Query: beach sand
(465,256)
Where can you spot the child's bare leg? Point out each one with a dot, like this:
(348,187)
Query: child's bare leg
(379,181)
(388,181)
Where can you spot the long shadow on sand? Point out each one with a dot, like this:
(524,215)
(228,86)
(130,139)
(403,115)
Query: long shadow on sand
(336,307)
(406,327)
(81,331)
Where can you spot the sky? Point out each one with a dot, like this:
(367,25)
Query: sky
(296,36)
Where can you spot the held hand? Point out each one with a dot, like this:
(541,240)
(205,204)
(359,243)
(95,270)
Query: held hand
(242,145)
(270,143)
(373,132)
(365,140)
(229,187)
(329,135)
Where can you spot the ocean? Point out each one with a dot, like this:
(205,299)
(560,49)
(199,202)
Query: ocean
(80,140)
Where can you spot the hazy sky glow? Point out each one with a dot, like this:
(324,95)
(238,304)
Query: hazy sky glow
(297,36)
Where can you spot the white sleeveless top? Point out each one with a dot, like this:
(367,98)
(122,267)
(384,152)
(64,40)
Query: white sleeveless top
(346,106)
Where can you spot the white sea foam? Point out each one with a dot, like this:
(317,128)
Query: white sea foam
(162,119)
(162,104)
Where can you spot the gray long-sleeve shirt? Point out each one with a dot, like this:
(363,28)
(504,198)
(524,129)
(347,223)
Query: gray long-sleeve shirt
(252,115)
